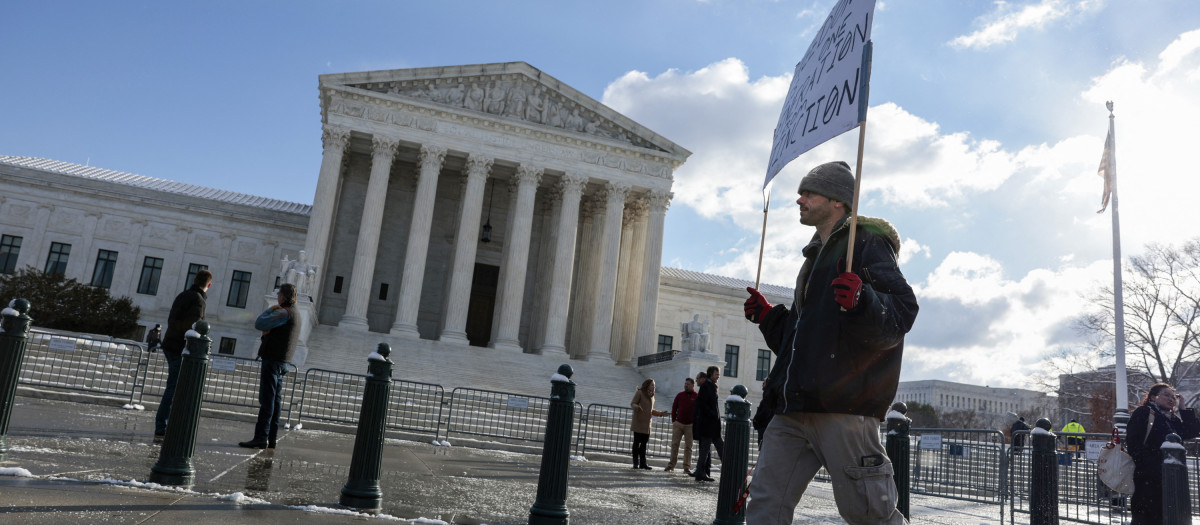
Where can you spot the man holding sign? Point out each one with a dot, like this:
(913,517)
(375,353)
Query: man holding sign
(839,348)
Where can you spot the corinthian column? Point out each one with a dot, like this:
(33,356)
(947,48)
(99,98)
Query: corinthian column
(629,281)
(651,265)
(610,240)
(383,151)
(431,158)
(570,189)
(320,219)
(465,242)
(583,299)
(516,259)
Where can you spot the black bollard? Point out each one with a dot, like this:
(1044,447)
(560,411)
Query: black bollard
(1043,482)
(550,508)
(735,458)
(174,466)
(14,335)
(1177,507)
(898,452)
(362,490)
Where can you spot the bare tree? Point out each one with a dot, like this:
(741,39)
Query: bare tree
(1162,313)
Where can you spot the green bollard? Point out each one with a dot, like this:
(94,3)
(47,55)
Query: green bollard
(174,466)
(1043,483)
(734,459)
(898,452)
(362,490)
(14,335)
(1176,502)
(551,505)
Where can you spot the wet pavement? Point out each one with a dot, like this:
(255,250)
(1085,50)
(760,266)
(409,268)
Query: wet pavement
(89,463)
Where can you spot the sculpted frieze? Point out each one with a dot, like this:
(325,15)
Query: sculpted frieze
(512,96)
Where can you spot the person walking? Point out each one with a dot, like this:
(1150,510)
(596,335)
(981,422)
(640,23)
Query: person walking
(188,308)
(643,410)
(280,333)
(153,338)
(842,343)
(1162,412)
(706,423)
(682,410)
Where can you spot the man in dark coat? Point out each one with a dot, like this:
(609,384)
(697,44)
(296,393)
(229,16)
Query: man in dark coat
(839,347)
(1018,440)
(280,329)
(154,338)
(185,311)
(706,423)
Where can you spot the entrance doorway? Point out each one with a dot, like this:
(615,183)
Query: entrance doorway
(482,305)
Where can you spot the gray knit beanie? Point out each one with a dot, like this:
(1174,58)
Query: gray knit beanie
(832,180)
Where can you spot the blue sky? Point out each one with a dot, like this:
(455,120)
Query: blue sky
(986,125)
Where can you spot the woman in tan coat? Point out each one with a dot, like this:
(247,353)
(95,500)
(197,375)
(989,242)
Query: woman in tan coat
(643,409)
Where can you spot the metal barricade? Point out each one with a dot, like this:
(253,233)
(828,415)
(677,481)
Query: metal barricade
(606,430)
(70,361)
(1082,497)
(336,397)
(231,381)
(959,464)
(501,415)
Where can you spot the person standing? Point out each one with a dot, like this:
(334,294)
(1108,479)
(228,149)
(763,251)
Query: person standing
(841,343)
(1162,412)
(154,338)
(188,308)
(1074,443)
(1018,440)
(643,409)
(280,333)
(682,410)
(706,423)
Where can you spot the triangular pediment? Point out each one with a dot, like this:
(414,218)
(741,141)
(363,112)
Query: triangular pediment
(512,90)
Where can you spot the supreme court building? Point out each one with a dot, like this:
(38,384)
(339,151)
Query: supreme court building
(456,207)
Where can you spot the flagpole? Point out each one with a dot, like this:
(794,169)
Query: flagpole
(763,238)
(1121,417)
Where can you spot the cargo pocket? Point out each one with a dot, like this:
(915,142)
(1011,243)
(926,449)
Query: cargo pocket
(873,486)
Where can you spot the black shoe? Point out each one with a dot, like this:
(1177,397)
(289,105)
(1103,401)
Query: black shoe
(271,443)
(706,478)
(160,435)
(646,467)
(253,444)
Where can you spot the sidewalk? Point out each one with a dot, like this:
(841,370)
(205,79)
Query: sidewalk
(89,464)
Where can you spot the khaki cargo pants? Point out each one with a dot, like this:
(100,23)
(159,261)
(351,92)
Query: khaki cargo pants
(795,446)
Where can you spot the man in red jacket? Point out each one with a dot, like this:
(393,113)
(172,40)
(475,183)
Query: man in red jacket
(681,424)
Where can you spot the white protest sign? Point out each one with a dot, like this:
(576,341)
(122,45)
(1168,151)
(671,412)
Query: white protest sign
(1093,450)
(518,402)
(827,87)
(931,442)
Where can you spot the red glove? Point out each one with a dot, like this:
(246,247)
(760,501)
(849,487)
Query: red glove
(846,290)
(756,306)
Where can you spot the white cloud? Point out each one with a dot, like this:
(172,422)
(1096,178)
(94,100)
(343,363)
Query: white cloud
(911,248)
(1004,23)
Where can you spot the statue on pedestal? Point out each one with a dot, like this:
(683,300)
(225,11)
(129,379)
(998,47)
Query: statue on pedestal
(299,273)
(695,335)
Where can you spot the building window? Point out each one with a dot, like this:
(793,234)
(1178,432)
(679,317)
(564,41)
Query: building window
(10,247)
(764,365)
(56,262)
(337,284)
(228,345)
(239,289)
(193,269)
(664,343)
(151,272)
(383,291)
(731,361)
(106,263)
